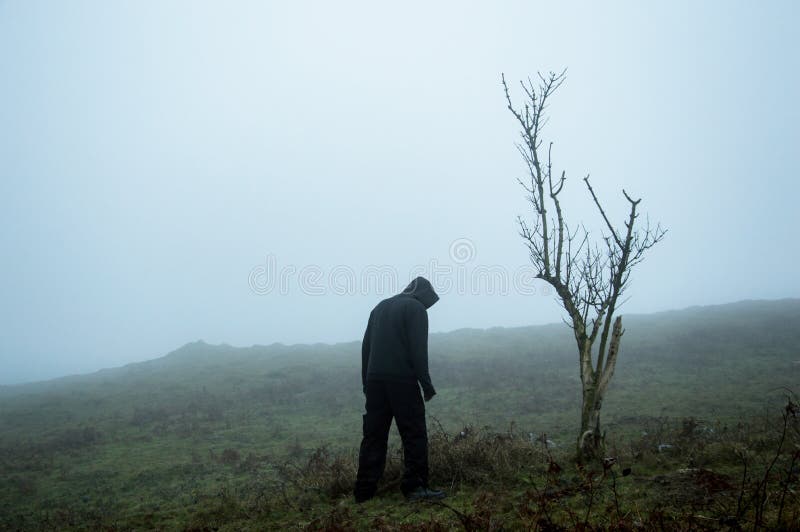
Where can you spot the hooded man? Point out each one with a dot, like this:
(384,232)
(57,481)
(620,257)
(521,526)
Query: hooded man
(394,364)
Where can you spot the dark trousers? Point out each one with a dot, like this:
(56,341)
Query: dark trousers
(403,401)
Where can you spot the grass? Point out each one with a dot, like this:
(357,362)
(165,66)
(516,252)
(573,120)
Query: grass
(217,437)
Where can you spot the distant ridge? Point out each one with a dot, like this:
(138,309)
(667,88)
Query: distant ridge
(200,346)
(750,313)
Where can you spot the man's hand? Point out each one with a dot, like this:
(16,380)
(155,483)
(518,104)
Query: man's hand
(429,396)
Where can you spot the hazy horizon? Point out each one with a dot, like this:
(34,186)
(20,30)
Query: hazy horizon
(253,173)
(358,340)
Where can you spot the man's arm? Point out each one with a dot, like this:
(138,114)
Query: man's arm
(418,343)
(365,354)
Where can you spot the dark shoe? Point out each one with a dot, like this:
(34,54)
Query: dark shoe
(363,498)
(425,494)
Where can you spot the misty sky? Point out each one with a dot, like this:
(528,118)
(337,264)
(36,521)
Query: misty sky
(159,159)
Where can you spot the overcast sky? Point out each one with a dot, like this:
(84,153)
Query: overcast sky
(162,163)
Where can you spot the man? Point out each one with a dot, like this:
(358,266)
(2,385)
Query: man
(394,358)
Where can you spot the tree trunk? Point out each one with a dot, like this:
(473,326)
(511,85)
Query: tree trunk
(591,444)
(590,440)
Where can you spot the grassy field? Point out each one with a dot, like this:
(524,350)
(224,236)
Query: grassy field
(214,437)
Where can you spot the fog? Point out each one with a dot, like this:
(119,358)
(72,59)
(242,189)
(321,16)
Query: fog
(259,172)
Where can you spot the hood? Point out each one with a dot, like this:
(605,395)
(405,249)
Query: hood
(422,290)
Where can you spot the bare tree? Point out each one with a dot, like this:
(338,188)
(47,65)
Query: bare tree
(589,277)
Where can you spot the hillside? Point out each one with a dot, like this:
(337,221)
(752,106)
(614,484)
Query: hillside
(146,438)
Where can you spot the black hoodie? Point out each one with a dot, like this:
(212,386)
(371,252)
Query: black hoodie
(395,345)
